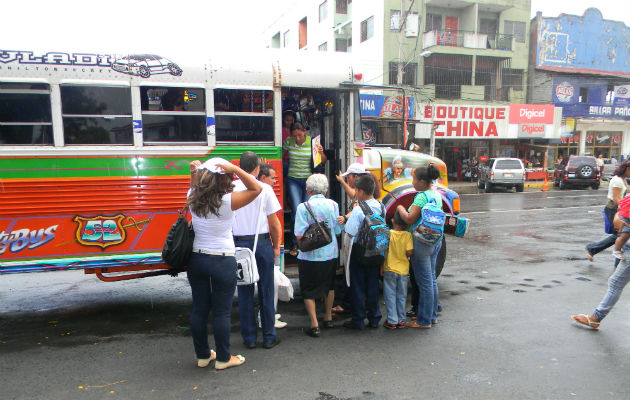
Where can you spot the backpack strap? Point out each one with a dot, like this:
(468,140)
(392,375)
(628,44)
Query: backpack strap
(365,208)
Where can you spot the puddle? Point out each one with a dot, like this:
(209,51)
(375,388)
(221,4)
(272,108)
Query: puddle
(485,289)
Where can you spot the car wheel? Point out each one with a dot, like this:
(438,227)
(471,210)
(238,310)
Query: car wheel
(562,185)
(520,188)
(144,72)
(488,187)
(441,258)
(174,69)
(585,171)
(595,186)
(479,184)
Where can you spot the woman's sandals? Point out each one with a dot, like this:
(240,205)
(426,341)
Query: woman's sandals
(586,321)
(204,362)
(235,361)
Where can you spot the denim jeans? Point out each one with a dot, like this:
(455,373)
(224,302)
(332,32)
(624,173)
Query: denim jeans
(212,281)
(296,188)
(423,264)
(618,280)
(395,296)
(415,292)
(249,327)
(364,293)
(602,245)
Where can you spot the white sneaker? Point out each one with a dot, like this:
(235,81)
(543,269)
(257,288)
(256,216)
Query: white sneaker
(619,255)
(278,316)
(280,324)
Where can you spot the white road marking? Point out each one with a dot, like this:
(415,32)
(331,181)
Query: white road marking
(464,213)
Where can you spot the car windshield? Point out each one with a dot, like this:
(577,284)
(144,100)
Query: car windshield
(582,160)
(507,164)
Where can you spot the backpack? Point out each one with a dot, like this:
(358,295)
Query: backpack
(431,226)
(372,240)
(179,242)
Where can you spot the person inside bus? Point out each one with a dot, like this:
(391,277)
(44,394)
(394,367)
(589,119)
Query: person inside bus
(298,147)
(288,118)
(212,266)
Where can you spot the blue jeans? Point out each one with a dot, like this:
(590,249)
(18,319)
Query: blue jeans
(415,292)
(603,244)
(249,327)
(212,281)
(364,293)
(296,188)
(395,296)
(423,263)
(618,280)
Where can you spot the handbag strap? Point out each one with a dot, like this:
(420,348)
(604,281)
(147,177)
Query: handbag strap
(260,211)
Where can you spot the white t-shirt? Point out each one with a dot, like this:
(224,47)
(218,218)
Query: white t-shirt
(617,182)
(214,233)
(245,217)
(599,162)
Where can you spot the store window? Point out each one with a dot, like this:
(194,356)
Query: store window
(243,115)
(433,22)
(341,6)
(173,115)
(608,144)
(583,95)
(343,45)
(96,115)
(25,114)
(367,29)
(323,46)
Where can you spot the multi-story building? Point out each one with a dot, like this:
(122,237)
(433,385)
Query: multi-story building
(458,58)
(582,64)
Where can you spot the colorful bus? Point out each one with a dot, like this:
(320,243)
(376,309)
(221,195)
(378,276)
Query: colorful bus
(94,148)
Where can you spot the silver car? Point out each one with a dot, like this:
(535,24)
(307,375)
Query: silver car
(505,172)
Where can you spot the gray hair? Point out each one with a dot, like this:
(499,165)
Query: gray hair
(317,184)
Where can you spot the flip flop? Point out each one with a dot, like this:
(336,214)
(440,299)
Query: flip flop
(204,362)
(235,361)
(591,324)
(338,310)
(589,255)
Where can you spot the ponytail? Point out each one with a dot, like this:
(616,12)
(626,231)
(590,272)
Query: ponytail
(427,174)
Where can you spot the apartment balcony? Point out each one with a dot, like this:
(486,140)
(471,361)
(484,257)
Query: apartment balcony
(467,39)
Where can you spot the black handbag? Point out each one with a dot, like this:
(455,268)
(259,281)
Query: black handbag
(179,242)
(316,236)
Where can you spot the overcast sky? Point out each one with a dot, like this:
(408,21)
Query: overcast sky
(180,27)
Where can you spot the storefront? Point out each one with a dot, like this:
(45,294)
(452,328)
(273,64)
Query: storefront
(466,134)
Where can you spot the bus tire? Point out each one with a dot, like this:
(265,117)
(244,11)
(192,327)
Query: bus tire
(441,258)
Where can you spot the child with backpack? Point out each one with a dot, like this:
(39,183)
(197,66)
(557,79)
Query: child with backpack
(370,238)
(396,273)
(426,218)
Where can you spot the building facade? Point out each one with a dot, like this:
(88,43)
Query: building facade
(582,64)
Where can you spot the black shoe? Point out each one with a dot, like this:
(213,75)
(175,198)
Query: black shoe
(328,324)
(412,313)
(313,332)
(272,344)
(439,308)
(350,325)
(250,345)
(372,325)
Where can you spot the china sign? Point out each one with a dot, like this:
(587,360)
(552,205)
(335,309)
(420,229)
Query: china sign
(474,121)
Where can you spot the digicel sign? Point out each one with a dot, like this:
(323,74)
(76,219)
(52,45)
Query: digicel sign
(531,114)
(467,121)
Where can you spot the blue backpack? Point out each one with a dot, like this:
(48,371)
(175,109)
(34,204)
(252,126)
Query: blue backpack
(432,218)
(372,240)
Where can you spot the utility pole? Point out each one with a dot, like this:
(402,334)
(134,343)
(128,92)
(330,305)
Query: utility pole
(403,19)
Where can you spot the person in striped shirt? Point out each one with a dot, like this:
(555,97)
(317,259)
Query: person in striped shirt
(298,146)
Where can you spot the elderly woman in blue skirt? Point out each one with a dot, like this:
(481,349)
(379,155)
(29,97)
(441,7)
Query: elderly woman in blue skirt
(317,268)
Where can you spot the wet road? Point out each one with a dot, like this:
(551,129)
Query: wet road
(505,332)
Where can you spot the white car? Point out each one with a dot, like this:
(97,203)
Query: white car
(506,172)
(144,65)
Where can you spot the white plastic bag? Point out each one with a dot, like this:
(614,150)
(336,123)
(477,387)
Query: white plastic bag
(284,288)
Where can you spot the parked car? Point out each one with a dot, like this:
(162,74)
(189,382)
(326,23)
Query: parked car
(504,172)
(577,171)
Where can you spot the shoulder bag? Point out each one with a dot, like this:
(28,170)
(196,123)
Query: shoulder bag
(246,267)
(317,235)
(179,242)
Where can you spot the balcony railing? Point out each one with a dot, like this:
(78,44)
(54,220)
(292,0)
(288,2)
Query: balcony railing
(472,40)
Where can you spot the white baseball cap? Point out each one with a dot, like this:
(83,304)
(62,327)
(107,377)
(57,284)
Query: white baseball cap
(355,168)
(212,165)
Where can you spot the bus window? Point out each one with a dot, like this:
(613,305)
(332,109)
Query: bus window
(96,115)
(173,115)
(25,114)
(243,115)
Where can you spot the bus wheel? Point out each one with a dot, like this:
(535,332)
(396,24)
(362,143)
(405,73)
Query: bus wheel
(144,71)
(441,259)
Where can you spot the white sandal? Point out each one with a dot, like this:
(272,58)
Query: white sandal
(204,362)
(235,361)
(589,323)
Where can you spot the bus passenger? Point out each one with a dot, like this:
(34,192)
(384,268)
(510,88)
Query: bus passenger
(298,146)
(212,266)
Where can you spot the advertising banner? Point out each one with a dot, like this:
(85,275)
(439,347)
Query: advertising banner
(466,121)
(597,111)
(622,95)
(373,105)
(531,130)
(531,113)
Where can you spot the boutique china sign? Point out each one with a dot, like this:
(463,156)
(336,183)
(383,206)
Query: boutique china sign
(467,121)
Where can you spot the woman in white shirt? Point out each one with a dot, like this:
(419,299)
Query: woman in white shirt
(212,267)
(617,189)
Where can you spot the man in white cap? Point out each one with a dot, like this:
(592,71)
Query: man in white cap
(269,237)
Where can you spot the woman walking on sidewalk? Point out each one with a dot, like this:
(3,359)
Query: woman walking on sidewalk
(617,189)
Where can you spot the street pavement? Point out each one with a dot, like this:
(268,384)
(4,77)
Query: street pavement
(507,291)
